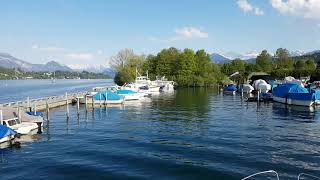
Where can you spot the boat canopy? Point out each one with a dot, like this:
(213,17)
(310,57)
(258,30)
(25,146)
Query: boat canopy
(125,91)
(107,95)
(231,87)
(5,131)
(283,90)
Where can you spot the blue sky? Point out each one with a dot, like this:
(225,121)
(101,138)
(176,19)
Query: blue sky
(78,32)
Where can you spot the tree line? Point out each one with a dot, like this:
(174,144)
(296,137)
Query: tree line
(195,68)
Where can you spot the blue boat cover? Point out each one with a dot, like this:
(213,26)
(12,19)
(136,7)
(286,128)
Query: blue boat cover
(283,90)
(230,87)
(107,95)
(5,131)
(35,114)
(124,91)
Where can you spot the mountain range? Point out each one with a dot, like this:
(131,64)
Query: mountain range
(8,61)
(251,57)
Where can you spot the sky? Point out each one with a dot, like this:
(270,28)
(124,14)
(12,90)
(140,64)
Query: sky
(89,32)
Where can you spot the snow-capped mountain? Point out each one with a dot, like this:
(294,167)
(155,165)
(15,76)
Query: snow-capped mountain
(297,53)
(218,59)
(234,55)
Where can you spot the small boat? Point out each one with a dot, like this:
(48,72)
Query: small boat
(6,134)
(261,85)
(275,175)
(295,94)
(106,97)
(230,89)
(128,95)
(20,127)
(247,88)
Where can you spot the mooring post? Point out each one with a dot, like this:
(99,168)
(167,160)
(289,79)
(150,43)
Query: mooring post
(92,102)
(86,101)
(35,109)
(67,104)
(28,102)
(100,99)
(258,98)
(47,107)
(78,105)
(19,115)
(1,117)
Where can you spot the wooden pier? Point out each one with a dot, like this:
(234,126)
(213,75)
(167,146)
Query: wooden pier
(17,109)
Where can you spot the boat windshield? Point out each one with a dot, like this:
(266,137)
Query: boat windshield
(12,122)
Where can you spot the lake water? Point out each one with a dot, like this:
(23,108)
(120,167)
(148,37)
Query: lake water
(190,134)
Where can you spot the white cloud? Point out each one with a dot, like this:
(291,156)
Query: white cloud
(99,52)
(246,7)
(258,11)
(309,9)
(191,32)
(50,49)
(183,33)
(81,56)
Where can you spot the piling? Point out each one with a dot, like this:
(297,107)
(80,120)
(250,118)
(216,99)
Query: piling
(1,117)
(35,109)
(93,102)
(67,105)
(78,105)
(258,97)
(86,101)
(28,102)
(47,110)
(100,99)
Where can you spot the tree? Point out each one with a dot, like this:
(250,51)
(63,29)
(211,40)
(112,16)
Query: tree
(121,58)
(264,62)
(284,63)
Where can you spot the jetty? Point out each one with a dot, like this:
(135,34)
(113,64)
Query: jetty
(18,110)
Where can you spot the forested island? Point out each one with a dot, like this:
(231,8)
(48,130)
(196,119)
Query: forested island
(195,68)
(6,74)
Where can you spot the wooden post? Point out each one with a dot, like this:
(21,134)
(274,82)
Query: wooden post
(47,107)
(35,109)
(86,101)
(100,98)
(1,117)
(19,115)
(93,102)
(67,104)
(258,98)
(28,102)
(78,105)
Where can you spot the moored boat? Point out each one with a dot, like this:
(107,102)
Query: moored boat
(106,97)
(261,86)
(128,95)
(6,134)
(230,89)
(20,127)
(247,88)
(295,94)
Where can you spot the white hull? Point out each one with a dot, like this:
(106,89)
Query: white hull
(7,138)
(89,101)
(293,102)
(131,97)
(230,92)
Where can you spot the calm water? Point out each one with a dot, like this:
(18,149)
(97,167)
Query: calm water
(190,134)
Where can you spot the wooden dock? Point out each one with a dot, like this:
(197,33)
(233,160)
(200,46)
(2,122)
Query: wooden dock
(18,109)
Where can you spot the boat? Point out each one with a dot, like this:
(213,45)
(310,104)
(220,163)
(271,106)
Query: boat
(261,85)
(292,80)
(230,89)
(275,175)
(6,134)
(128,95)
(164,84)
(295,94)
(105,97)
(20,127)
(247,88)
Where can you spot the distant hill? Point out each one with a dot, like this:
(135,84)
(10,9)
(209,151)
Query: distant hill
(10,62)
(218,59)
(93,68)
(314,55)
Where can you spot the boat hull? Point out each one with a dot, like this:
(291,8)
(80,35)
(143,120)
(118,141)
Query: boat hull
(293,101)
(230,92)
(89,101)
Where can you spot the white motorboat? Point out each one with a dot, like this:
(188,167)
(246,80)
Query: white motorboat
(247,88)
(20,127)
